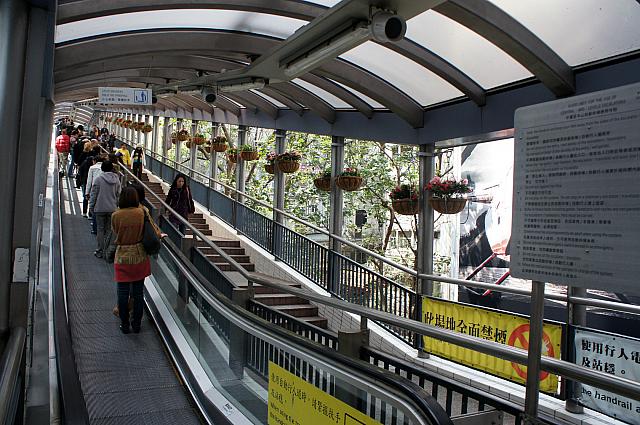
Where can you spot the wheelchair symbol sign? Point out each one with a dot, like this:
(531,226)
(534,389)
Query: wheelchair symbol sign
(140,96)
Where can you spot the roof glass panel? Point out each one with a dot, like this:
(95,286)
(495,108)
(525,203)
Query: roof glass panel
(364,97)
(269,98)
(580,31)
(332,100)
(422,85)
(328,3)
(481,60)
(232,20)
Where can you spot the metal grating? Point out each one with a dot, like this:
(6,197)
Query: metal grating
(126,379)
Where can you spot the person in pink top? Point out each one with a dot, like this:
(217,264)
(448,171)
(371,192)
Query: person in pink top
(63,146)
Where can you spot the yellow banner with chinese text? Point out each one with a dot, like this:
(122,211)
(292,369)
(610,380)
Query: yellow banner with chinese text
(508,329)
(293,401)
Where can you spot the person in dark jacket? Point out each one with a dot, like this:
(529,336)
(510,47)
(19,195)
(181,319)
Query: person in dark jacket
(136,158)
(81,179)
(179,198)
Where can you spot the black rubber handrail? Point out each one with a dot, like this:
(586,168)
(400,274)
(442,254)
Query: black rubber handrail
(74,408)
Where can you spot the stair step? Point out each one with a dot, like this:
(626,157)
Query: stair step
(225,267)
(318,321)
(197,215)
(260,289)
(231,251)
(298,310)
(217,259)
(222,243)
(206,231)
(279,299)
(197,220)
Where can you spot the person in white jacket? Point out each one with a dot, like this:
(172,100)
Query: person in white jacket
(94,171)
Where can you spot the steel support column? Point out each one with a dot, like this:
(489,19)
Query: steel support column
(240,174)
(193,152)
(167,138)
(213,158)
(425,234)
(536,319)
(335,206)
(154,134)
(13,41)
(178,145)
(279,178)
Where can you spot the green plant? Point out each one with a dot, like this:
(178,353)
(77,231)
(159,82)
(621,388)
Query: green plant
(247,148)
(404,191)
(290,156)
(220,139)
(232,151)
(449,188)
(350,172)
(325,174)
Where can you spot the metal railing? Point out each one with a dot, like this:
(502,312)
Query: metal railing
(10,381)
(226,216)
(596,378)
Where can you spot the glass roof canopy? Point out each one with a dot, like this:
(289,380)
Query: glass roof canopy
(457,51)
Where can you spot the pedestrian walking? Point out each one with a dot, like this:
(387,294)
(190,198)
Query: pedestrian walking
(103,201)
(63,145)
(180,200)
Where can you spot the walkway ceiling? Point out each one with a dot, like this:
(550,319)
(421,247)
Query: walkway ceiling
(460,59)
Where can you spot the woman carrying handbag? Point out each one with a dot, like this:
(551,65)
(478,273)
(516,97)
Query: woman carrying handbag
(131,262)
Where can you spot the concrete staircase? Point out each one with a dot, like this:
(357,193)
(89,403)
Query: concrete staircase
(286,303)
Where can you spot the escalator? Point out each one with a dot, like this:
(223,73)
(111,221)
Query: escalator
(201,357)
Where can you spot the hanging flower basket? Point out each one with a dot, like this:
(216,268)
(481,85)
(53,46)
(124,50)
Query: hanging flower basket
(232,155)
(199,139)
(448,205)
(406,206)
(218,147)
(288,166)
(147,128)
(140,125)
(183,135)
(323,184)
(248,153)
(270,168)
(349,183)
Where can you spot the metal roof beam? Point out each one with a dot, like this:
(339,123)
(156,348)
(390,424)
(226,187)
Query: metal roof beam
(311,101)
(492,23)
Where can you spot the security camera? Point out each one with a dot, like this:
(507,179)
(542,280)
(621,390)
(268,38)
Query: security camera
(385,27)
(209,94)
(154,99)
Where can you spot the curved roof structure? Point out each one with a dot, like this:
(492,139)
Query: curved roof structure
(461,69)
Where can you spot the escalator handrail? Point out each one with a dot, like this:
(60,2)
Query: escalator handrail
(406,391)
(74,408)
(10,372)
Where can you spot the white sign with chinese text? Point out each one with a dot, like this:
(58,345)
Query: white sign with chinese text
(576,196)
(613,354)
(124,96)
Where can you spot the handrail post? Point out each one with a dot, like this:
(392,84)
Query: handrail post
(425,238)
(351,344)
(335,226)
(577,316)
(238,337)
(536,322)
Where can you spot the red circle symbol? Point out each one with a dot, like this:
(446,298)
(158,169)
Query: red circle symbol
(518,335)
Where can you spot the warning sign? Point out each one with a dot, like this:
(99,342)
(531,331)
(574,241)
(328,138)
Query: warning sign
(505,328)
(293,401)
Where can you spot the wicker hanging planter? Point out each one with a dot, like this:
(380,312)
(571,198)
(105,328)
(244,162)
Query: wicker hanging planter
(288,166)
(406,206)
(349,183)
(249,155)
(448,206)
(147,128)
(270,168)
(323,184)
(199,140)
(232,158)
(218,147)
(183,135)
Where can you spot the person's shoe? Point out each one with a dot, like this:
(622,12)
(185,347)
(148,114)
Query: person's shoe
(125,329)
(136,329)
(98,254)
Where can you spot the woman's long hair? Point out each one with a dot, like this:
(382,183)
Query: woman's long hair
(175,181)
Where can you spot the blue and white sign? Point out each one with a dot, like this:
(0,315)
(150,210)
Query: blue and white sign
(124,96)
(613,354)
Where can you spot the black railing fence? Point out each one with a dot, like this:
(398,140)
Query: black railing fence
(328,269)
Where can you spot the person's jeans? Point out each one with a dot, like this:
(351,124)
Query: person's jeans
(135,291)
(103,224)
(71,167)
(85,200)
(63,157)
(137,169)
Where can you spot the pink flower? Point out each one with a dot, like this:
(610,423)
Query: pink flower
(465,182)
(435,180)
